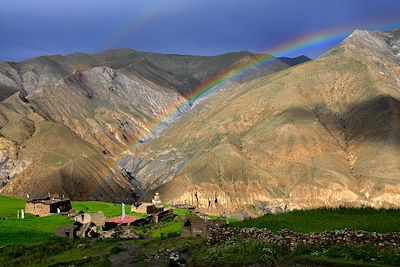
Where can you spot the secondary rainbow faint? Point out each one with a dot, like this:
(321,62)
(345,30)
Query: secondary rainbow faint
(295,46)
(151,13)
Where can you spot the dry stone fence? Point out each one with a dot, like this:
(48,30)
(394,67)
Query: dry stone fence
(292,240)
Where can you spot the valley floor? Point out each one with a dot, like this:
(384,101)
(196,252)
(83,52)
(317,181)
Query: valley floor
(31,242)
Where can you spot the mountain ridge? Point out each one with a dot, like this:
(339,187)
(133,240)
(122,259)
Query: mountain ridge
(103,104)
(321,134)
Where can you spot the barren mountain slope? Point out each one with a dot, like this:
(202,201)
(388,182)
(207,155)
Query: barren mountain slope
(40,156)
(67,119)
(325,133)
(185,72)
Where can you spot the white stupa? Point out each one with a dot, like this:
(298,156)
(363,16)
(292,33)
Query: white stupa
(156,199)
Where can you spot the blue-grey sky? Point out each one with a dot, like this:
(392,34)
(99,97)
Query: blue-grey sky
(30,28)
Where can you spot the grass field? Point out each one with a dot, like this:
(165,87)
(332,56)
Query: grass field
(33,229)
(29,230)
(31,242)
(319,220)
(109,209)
(246,252)
(9,206)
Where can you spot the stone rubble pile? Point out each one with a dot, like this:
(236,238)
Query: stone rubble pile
(176,257)
(121,232)
(292,240)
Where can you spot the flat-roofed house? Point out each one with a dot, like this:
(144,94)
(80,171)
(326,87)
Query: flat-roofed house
(45,206)
(97,218)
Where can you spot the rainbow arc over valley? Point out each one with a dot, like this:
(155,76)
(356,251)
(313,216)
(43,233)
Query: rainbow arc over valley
(297,46)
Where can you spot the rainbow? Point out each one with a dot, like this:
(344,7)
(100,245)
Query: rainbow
(296,46)
(149,14)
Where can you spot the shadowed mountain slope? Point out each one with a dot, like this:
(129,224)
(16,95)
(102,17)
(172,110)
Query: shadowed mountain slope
(325,133)
(65,120)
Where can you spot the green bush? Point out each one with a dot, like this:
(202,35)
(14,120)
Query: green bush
(116,249)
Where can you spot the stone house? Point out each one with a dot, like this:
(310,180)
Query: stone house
(140,207)
(162,215)
(118,221)
(87,230)
(154,206)
(184,207)
(45,206)
(96,218)
(67,232)
(154,209)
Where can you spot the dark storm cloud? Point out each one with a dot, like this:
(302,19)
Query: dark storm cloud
(29,28)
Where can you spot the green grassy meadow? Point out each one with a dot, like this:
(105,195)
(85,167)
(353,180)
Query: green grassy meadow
(109,209)
(27,231)
(319,220)
(33,229)
(32,241)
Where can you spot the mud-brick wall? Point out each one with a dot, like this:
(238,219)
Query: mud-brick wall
(38,209)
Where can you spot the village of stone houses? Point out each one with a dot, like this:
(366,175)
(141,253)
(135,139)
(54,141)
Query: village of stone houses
(95,224)
(55,231)
(199,133)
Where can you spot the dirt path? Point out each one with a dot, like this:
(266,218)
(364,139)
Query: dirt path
(129,258)
(125,258)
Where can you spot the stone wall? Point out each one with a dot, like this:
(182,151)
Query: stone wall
(154,209)
(43,207)
(62,205)
(142,208)
(198,227)
(37,209)
(97,218)
(292,240)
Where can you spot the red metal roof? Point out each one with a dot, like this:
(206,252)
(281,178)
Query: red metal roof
(125,220)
